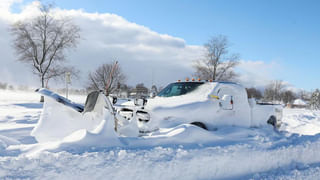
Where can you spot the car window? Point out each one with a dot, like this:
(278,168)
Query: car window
(177,89)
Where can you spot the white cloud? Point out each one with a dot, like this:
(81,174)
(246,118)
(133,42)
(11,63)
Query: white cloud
(6,4)
(257,73)
(107,37)
(144,55)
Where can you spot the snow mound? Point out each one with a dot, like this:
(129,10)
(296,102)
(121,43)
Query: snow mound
(301,121)
(58,121)
(185,135)
(181,152)
(6,142)
(259,160)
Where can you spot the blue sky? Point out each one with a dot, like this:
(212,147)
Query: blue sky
(286,32)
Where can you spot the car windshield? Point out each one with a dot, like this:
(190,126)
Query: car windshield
(179,88)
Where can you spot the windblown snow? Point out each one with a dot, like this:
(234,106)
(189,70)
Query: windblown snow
(181,152)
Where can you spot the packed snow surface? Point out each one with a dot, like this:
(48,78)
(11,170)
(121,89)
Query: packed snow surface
(181,152)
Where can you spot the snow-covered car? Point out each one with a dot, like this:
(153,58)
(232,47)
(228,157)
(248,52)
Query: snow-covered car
(209,105)
(205,104)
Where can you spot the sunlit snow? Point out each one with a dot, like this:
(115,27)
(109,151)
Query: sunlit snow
(183,152)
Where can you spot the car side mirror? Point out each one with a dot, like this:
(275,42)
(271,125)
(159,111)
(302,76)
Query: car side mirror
(226,102)
(140,102)
(114,100)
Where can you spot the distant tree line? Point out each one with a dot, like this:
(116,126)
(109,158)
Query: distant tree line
(277,92)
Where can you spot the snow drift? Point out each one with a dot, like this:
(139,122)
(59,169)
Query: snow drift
(68,126)
(182,152)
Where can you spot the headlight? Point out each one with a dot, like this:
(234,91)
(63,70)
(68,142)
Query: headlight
(126,113)
(143,116)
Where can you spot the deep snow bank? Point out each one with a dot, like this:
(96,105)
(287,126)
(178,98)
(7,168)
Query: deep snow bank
(185,135)
(301,121)
(6,142)
(233,153)
(236,161)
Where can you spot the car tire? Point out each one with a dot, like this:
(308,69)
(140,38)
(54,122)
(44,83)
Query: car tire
(200,124)
(273,121)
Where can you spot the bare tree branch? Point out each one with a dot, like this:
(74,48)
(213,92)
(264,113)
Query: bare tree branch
(99,79)
(273,91)
(42,41)
(59,72)
(217,64)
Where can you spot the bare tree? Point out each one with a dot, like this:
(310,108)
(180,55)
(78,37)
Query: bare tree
(42,41)
(154,89)
(304,95)
(287,96)
(217,63)
(273,91)
(254,93)
(107,77)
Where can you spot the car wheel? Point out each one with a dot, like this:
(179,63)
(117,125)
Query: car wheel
(273,121)
(200,124)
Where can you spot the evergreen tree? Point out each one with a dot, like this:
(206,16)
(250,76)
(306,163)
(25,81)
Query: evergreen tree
(315,100)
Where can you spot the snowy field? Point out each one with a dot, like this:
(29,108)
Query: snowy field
(232,153)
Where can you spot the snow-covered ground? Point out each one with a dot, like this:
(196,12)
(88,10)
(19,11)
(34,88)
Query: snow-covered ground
(231,153)
(301,121)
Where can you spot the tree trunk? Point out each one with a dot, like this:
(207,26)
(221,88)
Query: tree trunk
(214,73)
(42,85)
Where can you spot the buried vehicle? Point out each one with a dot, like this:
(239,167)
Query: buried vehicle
(204,104)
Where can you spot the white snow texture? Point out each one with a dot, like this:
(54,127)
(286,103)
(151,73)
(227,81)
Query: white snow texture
(181,152)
